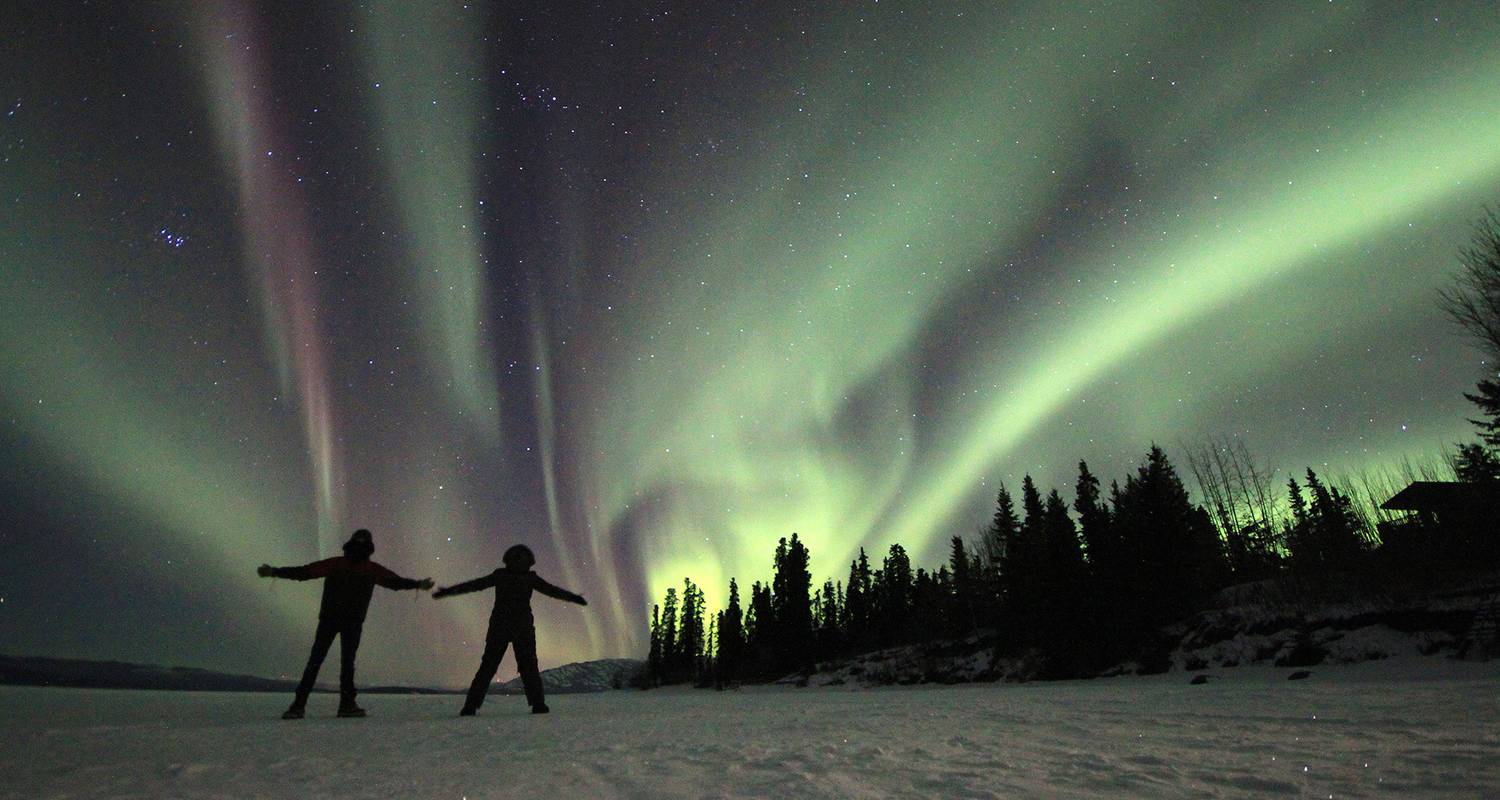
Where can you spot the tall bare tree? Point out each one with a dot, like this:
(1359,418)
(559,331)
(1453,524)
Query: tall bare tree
(1474,303)
(1241,497)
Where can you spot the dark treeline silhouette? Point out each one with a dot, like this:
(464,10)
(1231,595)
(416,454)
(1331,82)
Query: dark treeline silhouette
(1084,587)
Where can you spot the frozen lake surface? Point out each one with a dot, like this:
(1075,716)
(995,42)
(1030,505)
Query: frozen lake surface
(1420,727)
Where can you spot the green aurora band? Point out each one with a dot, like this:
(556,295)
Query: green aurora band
(726,407)
(426,108)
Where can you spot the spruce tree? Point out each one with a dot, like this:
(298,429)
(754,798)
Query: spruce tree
(1003,529)
(731,638)
(1105,565)
(931,603)
(827,621)
(834,613)
(1296,501)
(893,595)
(963,601)
(858,602)
(704,669)
(1093,516)
(1487,397)
(1061,617)
(1064,557)
(792,604)
(1336,533)
(817,610)
(1171,555)
(1022,567)
(760,656)
(1476,463)
(669,644)
(653,657)
(690,649)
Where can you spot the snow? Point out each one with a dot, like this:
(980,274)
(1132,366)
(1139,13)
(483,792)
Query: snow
(1400,727)
(1270,622)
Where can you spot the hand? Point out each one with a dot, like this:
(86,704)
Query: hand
(441,592)
(425,584)
(264,570)
(581,601)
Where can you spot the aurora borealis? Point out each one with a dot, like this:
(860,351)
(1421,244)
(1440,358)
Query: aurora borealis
(648,286)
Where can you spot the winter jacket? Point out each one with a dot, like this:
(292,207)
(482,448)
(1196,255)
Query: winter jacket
(347,584)
(512,595)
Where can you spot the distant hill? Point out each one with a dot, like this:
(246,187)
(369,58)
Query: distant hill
(583,676)
(78,673)
(586,676)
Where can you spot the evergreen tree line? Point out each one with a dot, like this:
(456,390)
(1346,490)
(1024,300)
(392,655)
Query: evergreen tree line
(1084,585)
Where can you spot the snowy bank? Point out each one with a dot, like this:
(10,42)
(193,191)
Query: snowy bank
(1399,727)
(1267,623)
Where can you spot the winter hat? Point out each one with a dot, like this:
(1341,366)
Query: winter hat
(519,558)
(361,544)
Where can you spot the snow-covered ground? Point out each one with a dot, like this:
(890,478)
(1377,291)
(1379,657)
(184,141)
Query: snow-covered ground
(1396,728)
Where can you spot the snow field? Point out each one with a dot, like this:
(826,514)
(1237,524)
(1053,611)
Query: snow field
(1398,728)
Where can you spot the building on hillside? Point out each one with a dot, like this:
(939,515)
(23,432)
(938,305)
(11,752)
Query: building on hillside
(1447,520)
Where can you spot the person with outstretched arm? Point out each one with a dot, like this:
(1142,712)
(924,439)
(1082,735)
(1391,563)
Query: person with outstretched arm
(510,624)
(348,582)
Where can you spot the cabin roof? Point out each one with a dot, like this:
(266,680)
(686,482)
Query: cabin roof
(1436,495)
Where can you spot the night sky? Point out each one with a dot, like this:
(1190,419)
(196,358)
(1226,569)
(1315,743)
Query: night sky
(648,286)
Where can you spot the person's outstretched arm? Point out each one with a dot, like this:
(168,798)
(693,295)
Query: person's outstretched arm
(475,585)
(391,580)
(557,592)
(306,572)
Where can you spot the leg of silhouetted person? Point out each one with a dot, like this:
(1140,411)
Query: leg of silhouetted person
(322,640)
(531,677)
(348,648)
(494,650)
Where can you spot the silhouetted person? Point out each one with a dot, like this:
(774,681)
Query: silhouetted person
(510,624)
(348,582)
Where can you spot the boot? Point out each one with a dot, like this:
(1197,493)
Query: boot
(348,708)
(467,711)
(297,708)
(540,708)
